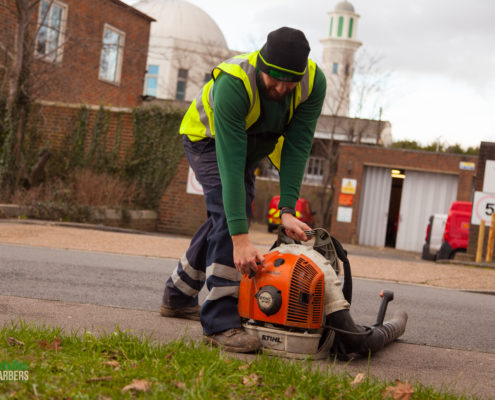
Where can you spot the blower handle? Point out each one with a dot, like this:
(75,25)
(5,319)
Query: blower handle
(387,296)
(252,273)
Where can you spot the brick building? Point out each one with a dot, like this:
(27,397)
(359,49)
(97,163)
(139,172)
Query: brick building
(81,51)
(384,197)
(77,53)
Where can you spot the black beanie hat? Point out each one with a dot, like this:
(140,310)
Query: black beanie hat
(284,55)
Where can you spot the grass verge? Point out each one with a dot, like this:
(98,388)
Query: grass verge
(123,366)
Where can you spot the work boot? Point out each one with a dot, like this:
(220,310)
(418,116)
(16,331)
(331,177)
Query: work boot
(183,312)
(235,340)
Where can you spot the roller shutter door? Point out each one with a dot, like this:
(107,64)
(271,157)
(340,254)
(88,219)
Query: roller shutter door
(423,194)
(373,213)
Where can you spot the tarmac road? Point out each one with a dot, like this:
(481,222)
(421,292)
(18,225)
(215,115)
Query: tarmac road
(437,317)
(457,371)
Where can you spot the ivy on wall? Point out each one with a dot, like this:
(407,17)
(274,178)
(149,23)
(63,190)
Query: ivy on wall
(155,153)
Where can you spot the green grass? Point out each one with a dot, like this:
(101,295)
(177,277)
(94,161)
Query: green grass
(82,366)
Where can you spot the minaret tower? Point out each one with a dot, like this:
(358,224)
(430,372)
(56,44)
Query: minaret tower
(338,58)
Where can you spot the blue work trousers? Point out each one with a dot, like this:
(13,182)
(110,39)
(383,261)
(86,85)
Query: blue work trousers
(210,255)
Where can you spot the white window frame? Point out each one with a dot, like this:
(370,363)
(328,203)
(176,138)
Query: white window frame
(56,54)
(151,76)
(120,56)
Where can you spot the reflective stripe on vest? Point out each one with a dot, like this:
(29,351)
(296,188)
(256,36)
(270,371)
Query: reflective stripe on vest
(198,122)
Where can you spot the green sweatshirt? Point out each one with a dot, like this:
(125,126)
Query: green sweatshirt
(238,149)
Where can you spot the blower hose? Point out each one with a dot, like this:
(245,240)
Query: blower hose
(351,338)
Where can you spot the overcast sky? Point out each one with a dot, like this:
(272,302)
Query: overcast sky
(439,54)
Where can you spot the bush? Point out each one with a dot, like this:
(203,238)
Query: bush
(72,201)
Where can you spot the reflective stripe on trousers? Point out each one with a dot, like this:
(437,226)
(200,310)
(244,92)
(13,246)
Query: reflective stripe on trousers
(209,257)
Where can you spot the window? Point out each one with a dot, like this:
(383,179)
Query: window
(347,70)
(152,80)
(315,168)
(335,68)
(52,21)
(351,22)
(112,53)
(180,93)
(331,26)
(341,26)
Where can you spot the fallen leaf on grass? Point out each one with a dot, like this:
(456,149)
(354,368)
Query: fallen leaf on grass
(290,392)
(403,391)
(179,385)
(358,379)
(244,366)
(99,379)
(200,377)
(139,385)
(11,341)
(169,355)
(251,380)
(54,345)
(114,364)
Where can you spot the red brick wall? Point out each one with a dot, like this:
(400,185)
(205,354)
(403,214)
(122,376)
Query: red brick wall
(353,159)
(180,212)
(53,123)
(75,78)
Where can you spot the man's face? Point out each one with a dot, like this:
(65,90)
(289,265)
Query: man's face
(274,89)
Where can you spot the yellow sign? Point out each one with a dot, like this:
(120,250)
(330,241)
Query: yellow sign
(469,166)
(348,186)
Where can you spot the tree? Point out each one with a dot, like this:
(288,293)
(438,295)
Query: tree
(18,85)
(435,146)
(187,63)
(360,93)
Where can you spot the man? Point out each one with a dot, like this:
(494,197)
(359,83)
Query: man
(261,104)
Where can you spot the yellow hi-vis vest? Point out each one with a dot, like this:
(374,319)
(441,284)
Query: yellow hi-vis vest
(198,123)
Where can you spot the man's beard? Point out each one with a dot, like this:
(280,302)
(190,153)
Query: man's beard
(271,93)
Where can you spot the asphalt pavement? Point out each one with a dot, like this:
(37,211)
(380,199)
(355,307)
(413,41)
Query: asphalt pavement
(457,371)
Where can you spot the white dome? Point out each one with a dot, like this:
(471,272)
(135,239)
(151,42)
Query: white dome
(180,19)
(344,6)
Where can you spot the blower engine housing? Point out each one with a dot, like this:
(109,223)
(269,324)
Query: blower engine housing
(289,293)
(283,304)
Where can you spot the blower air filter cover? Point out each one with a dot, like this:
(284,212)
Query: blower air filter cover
(269,300)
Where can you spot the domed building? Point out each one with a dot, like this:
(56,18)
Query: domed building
(185,45)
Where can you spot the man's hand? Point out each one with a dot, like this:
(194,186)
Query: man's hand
(245,254)
(295,228)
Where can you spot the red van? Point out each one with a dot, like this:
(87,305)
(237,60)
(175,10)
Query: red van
(303,213)
(456,233)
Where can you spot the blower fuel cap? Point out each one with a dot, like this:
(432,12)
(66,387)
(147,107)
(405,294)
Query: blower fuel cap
(269,299)
(278,262)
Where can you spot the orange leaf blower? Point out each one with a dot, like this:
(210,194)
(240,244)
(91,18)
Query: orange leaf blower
(288,302)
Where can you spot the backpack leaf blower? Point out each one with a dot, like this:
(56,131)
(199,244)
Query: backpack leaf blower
(298,307)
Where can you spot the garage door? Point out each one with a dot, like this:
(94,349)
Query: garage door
(423,194)
(373,213)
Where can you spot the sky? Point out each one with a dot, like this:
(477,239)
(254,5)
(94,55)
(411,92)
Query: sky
(436,58)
